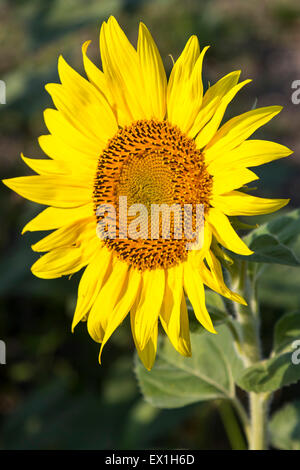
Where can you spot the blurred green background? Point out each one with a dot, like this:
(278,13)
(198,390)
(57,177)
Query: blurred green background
(53,393)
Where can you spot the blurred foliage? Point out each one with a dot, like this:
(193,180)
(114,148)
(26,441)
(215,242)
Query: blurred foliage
(285,427)
(53,393)
(176,381)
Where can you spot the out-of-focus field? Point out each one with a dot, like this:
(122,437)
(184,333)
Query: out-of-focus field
(53,393)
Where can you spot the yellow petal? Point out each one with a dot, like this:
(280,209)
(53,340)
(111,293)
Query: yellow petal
(74,160)
(213,278)
(173,317)
(94,74)
(121,67)
(149,305)
(248,153)
(107,299)
(153,74)
(225,234)
(194,289)
(70,108)
(185,89)
(98,79)
(147,355)
(183,68)
(54,217)
(69,235)
(208,132)
(212,99)
(58,191)
(238,203)
(238,129)
(61,128)
(44,166)
(124,305)
(227,180)
(185,346)
(62,261)
(196,256)
(82,105)
(93,104)
(91,282)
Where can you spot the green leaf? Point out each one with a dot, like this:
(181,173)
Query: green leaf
(176,381)
(283,367)
(285,228)
(215,307)
(287,330)
(270,241)
(268,249)
(285,427)
(270,375)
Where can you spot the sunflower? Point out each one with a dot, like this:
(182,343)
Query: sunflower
(128,131)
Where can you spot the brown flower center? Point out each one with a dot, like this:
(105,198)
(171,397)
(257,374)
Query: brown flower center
(151,163)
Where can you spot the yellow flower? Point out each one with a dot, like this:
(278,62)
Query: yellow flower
(127,131)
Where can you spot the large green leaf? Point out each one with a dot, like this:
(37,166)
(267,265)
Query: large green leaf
(270,241)
(209,374)
(285,228)
(281,369)
(270,375)
(285,427)
(268,249)
(287,330)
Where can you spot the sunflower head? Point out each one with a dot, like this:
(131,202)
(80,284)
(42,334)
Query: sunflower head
(145,148)
(151,163)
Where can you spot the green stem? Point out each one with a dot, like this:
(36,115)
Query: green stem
(231,426)
(239,408)
(259,416)
(250,350)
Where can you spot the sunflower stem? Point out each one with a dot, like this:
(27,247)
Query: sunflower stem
(259,418)
(249,348)
(231,426)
